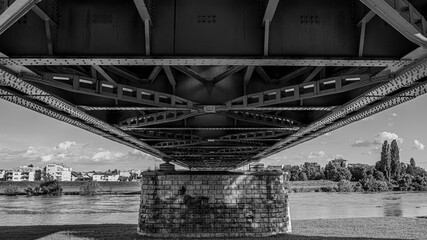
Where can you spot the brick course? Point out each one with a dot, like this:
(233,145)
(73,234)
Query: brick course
(213,204)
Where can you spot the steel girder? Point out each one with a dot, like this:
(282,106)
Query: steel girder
(186,61)
(404,78)
(95,87)
(10,79)
(401,15)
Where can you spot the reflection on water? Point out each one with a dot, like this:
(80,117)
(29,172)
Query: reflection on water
(393,206)
(43,210)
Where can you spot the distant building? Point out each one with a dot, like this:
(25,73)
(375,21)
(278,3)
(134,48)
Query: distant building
(274,167)
(105,177)
(340,162)
(2,174)
(59,172)
(21,174)
(125,174)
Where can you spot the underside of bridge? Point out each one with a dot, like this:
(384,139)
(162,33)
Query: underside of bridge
(212,84)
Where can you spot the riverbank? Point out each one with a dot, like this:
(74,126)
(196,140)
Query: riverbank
(73,188)
(334,229)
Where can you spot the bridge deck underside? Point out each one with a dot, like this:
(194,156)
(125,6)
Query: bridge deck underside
(209,84)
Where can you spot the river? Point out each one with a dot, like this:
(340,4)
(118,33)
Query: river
(42,210)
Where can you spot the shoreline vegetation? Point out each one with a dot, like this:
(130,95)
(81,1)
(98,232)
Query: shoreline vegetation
(134,188)
(322,229)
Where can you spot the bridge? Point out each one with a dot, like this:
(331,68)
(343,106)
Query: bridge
(212,84)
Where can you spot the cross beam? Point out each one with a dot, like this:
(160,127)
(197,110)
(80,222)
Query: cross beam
(188,61)
(406,77)
(14,12)
(402,16)
(95,87)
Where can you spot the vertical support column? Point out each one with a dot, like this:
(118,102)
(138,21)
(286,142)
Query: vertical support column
(221,204)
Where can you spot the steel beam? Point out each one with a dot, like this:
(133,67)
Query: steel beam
(212,129)
(313,74)
(104,74)
(171,77)
(256,135)
(319,88)
(154,73)
(125,74)
(186,61)
(94,87)
(406,77)
(145,16)
(268,17)
(227,73)
(298,72)
(159,118)
(263,119)
(263,74)
(402,16)
(220,108)
(191,73)
(14,12)
(10,79)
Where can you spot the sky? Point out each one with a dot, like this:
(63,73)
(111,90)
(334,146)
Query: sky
(27,137)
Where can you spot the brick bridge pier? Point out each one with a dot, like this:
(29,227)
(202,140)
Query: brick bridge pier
(213,204)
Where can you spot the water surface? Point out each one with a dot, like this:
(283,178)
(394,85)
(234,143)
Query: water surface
(43,210)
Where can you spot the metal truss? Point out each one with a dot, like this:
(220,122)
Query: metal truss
(159,118)
(14,12)
(264,119)
(11,80)
(402,16)
(166,135)
(405,78)
(95,87)
(130,129)
(319,88)
(256,135)
(187,61)
(217,108)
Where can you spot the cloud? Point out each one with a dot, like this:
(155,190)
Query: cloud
(394,114)
(107,155)
(76,155)
(387,136)
(47,158)
(319,154)
(65,145)
(361,143)
(418,145)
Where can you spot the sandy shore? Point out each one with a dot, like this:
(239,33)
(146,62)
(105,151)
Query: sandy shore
(334,229)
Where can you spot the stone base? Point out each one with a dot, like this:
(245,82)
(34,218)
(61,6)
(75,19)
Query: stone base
(213,204)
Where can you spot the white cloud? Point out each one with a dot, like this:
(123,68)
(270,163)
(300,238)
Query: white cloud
(319,154)
(387,136)
(418,145)
(394,114)
(107,155)
(361,143)
(65,145)
(47,158)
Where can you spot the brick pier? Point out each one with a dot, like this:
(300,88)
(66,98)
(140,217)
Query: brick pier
(213,204)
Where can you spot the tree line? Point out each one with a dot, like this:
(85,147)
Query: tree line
(389,173)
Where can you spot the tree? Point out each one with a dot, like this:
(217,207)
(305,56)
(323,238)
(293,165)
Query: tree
(395,159)
(31,165)
(336,173)
(38,175)
(410,169)
(385,165)
(412,162)
(303,176)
